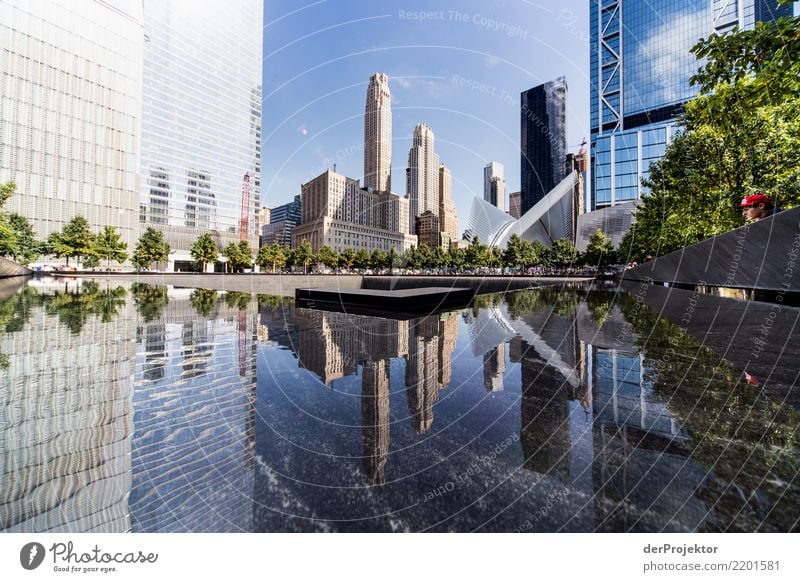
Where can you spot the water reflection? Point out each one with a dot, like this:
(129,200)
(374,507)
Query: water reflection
(149,408)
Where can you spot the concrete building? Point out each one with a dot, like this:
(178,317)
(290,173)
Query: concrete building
(71,112)
(543,140)
(378,135)
(339,214)
(494,185)
(422,175)
(640,65)
(201,121)
(448,219)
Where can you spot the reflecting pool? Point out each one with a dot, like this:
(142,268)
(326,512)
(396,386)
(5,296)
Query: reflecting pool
(131,407)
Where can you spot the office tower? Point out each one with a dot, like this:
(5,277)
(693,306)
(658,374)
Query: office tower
(282,220)
(494,185)
(70,120)
(640,69)
(543,140)
(422,175)
(339,214)
(201,121)
(515,204)
(378,135)
(448,220)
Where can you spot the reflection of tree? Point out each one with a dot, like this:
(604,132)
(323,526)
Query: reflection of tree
(237,300)
(203,301)
(15,313)
(485,302)
(272,301)
(108,302)
(150,300)
(564,301)
(745,439)
(599,304)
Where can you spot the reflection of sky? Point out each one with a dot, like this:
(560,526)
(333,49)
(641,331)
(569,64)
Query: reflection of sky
(657,62)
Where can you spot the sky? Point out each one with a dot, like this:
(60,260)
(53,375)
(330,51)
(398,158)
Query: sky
(459,67)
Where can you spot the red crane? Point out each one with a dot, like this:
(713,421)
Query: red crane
(244,219)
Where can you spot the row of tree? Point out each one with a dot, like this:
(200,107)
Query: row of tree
(520,254)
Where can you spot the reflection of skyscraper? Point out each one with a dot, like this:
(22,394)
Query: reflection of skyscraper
(155,343)
(448,328)
(494,365)
(375,418)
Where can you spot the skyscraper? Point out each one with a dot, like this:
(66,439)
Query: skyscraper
(378,135)
(201,120)
(494,185)
(515,204)
(70,112)
(543,140)
(422,175)
(640,68)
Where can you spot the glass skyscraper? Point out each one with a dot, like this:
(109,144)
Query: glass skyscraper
(543,140)
(640,69)
(201,120)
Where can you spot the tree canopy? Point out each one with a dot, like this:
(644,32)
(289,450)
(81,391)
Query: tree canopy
(150,248)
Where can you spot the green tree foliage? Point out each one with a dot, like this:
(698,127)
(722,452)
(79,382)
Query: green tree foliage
(477,255)
(239,255)
(272,257)
(361,260)
(109,246)
(204,250)
(740,135)
(304,255)
(74,240)
(328,257)
(8,238)
(26,248)
(150,248)
(456,258)
(600,250)
(393,260)
(563,253)
(346,258)
(377,259)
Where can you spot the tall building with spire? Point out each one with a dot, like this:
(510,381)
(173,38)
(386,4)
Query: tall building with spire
(378,135)
(422,175)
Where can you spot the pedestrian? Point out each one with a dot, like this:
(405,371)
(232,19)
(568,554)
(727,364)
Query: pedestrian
(757,206)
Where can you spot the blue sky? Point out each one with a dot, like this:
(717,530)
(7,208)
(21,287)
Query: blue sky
(459,67)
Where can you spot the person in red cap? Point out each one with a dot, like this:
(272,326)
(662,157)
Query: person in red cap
(757,206)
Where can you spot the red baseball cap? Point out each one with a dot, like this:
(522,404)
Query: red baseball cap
(754,200)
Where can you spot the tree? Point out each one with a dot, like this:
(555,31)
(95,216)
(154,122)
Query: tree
(346,258)
(204,250)
(328,257)
(456,258)
(271,256)
(110,247)
(741,134)
(477,254)
(26,249)
(563,253)
(377,259)
(538,254)
(516,253)
(600,250)
(239,255)
(304,255)
(150,248)
(74,240)
(361,260)
(392,260)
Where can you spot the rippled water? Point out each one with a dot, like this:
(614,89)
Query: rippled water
(140,408)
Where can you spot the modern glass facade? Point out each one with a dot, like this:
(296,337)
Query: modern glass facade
(543,138)
(70,115)
(640,69)
(201,119)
